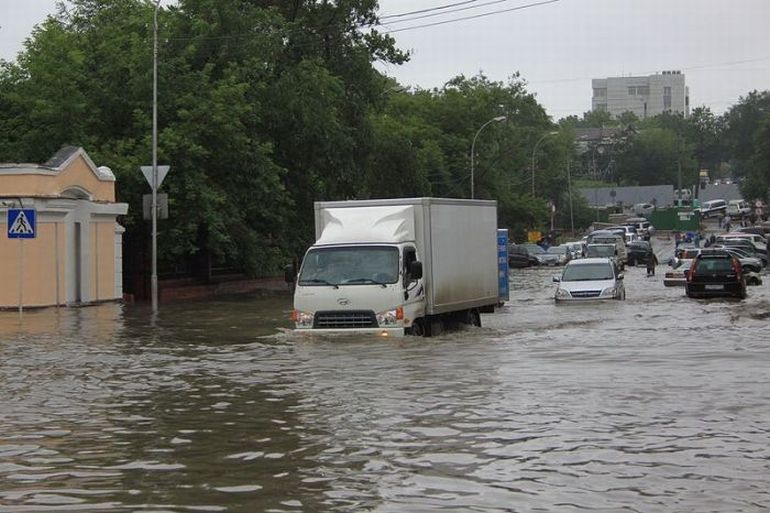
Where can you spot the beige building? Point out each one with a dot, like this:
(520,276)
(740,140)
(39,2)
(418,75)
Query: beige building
(76,255)
(644,96)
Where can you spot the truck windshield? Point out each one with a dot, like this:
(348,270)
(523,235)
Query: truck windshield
(363,265)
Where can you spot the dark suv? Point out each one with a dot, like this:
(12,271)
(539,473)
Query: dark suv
(639,252)
(715,273)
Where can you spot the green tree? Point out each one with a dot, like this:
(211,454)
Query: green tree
(655,156)
(745,135)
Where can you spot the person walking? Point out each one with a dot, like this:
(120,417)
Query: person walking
(652,261)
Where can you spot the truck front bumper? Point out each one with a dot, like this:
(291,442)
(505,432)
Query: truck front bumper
(376,332)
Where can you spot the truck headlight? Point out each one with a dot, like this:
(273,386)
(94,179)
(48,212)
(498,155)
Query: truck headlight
(390,317)
(302,319)
(562,293)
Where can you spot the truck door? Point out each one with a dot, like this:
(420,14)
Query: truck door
(413,288)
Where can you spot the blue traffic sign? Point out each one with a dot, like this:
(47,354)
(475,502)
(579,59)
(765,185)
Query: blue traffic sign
(22,223)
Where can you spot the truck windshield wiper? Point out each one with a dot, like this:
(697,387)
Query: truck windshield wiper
(365,280)
(318,280)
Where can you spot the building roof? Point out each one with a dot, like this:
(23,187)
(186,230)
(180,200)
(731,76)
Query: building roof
(597,134)
(70,173)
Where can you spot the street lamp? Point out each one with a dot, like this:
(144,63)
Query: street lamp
(154,275)
(473,145)
(533,157)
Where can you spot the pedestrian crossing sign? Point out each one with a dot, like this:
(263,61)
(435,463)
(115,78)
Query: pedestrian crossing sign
(22,223)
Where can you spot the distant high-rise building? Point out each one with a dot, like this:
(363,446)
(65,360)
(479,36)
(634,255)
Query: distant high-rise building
(644,96)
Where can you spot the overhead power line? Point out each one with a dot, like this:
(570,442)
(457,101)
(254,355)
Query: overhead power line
(421,11)
(452,11)
(476,16)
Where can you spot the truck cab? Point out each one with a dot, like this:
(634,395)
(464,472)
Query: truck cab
(366,287)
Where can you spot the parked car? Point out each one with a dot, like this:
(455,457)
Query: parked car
(589,279)
(738,209)
(518,257)
(562,252)
(576,249)
(640,252)
(676,276)
(748,262)
(604,251)
(686,251)
(715,273)
(543,257)
(758,230)
(627,232)
(759,241)
(608,237)
(712,208)
(643,209)
(644,228)
(744,244)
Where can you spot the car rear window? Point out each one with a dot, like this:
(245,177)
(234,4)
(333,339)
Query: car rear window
(714,265)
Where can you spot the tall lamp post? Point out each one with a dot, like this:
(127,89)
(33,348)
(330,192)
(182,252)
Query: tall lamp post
(473,145)
(534,150)
(154,275)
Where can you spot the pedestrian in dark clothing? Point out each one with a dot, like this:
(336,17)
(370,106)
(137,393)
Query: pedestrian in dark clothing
(652,261)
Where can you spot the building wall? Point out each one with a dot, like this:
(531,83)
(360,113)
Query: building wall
(103,239)
(644,96)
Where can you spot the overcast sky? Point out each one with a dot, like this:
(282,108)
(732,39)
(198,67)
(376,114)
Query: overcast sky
(722,46)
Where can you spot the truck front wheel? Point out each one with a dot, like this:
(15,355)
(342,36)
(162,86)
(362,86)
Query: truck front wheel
(420,328)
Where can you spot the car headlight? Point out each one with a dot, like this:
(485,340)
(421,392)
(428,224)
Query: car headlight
(562,293)
(390,317)
(608,292)
(302,319)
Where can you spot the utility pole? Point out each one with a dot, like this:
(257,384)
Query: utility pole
(569,191)
(154,275)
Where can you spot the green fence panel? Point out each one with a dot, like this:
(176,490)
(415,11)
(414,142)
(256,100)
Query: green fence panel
(683,220)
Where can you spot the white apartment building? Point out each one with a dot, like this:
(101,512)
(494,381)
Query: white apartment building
(644,96)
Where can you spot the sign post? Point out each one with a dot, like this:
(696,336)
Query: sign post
(502,265)
(154,175)
(22,224)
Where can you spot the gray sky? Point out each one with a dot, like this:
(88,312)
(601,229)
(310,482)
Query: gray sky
(722,46)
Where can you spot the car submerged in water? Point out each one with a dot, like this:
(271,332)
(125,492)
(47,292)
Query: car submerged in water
(589,279)
(715,273)
(543,256)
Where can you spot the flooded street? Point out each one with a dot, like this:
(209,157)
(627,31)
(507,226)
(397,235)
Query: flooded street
(658,403)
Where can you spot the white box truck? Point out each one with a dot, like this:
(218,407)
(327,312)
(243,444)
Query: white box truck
(396,266)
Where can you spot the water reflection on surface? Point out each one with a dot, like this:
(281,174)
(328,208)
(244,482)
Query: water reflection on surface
(658,403)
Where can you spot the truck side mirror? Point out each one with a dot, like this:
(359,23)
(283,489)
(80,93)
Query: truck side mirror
(415,270)
(288,273)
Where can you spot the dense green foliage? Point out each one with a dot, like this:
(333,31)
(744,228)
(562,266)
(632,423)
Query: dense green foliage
(266,106)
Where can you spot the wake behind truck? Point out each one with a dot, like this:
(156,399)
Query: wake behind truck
(398,266)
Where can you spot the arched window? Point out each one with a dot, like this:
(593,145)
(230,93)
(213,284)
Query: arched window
(75,192)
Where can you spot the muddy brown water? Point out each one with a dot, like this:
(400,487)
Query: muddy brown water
(658,403)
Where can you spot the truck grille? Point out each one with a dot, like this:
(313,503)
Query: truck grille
(586,293)
(345,319)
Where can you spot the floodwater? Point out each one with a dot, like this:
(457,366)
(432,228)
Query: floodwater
(656,404)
